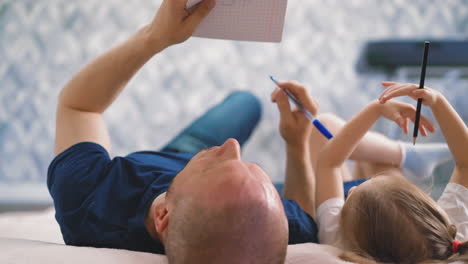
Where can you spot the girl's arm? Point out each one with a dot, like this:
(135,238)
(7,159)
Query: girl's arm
(456,135)
(452,126)
(329,182)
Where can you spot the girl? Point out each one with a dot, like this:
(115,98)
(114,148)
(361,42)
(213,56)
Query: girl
(386,219)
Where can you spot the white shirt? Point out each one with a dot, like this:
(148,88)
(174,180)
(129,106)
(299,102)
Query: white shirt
(454,201)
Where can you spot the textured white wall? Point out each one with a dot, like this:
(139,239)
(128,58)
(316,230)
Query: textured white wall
(43,43)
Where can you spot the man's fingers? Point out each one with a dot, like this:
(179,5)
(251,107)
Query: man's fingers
(199,13)
(179,4)
(274,94)
(177,7)
(300,92)
(281,99)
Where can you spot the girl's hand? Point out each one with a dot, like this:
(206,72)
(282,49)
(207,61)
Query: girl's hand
(393,89)
(295,128)
(401,113)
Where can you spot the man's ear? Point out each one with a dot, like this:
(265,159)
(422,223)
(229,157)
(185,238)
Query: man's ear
(161,217)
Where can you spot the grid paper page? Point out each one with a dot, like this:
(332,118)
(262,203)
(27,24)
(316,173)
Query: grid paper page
(248,20)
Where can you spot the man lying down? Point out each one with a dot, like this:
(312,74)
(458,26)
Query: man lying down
(195,200)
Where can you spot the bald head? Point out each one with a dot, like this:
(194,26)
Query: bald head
(247,230)
(224,210)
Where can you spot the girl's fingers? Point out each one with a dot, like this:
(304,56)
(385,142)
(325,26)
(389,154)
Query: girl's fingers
(401,121)
(422,129)
(420,93)
(424,124)
(387,83)
(397,91)
(406,126)
(427,124)
(389,89)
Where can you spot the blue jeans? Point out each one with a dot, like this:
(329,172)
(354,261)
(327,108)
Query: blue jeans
(235,117)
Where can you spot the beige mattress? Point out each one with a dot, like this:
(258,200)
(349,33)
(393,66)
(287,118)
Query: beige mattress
(35,238)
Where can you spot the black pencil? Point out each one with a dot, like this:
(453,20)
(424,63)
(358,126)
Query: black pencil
(421,86)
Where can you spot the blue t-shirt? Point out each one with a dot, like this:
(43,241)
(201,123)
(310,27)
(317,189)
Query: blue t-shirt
(103,202)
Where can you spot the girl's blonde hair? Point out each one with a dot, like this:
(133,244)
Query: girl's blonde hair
(391,220)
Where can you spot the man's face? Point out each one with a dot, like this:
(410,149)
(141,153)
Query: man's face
(228,198)
(218,173)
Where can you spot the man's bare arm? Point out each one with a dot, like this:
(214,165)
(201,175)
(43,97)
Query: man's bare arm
(94,88)
(90,92)
(295,129)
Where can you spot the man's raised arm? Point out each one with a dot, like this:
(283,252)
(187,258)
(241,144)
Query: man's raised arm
(92,90)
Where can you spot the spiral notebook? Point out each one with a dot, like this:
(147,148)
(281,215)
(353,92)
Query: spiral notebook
(248,20)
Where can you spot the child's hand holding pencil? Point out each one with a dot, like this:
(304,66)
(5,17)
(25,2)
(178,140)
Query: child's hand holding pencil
(430,98)
(394,89)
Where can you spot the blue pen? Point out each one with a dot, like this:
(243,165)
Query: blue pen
(309,116)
